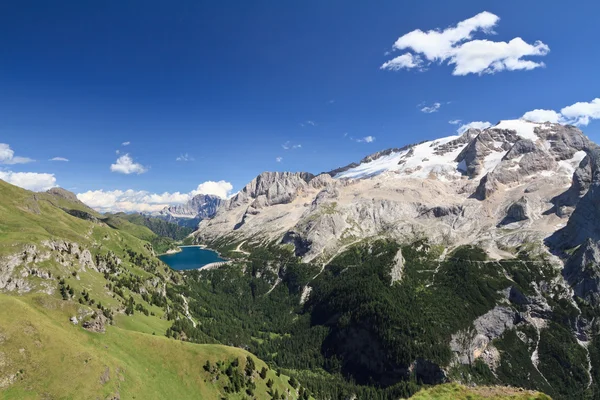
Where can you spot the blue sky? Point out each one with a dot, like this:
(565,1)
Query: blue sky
(230,84)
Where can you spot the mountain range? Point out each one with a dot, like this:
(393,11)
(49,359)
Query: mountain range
(472,259)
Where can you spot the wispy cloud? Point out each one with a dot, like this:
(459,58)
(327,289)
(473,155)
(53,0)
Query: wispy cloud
(125,143)
(184,157)
(431,109)
(290,146)
(455,46)
(7,156)
(454,121)
(308,123)
(59,159)
(279,159)
(366,139)
(126,165)
(475,124)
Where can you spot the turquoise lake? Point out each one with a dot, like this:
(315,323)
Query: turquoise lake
(190,258)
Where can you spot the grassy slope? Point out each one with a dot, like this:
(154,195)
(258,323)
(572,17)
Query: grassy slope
(453,391)
(27,217)
(50,358)
(60,360)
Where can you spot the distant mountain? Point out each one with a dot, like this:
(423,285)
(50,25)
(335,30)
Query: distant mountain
(201,206)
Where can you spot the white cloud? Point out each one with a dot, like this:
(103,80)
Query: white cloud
(220,188)
(143,201)
(454,45)
(542,116)
(38,182)
(309,122)
(288,145)
(59,159)
(125,165)
(366,139)
(455,121)
(279,159)
(184,157)
(405,61)
(7,156)
(475,124)
(580,113)
(126,143)
(431,109)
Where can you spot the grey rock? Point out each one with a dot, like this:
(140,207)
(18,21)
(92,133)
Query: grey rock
(582,271)
(198,208)
(516,212)
(277,187)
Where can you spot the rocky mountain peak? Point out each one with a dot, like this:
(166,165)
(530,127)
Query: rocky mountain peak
(271,188)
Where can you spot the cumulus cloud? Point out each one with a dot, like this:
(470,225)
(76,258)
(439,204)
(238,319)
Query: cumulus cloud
(475,124)
(288,145)
(184,157)
(7,156)
(125,143)
(59,159)
(455,46)
(454,121)
(38,182)
(125,165)
(366,139)
(431,109)
(144,201)
(542,116)
(220,188)
(279,159)
(580,113)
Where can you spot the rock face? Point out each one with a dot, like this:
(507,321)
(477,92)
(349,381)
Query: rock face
(201,206)
(459,189)
(582,271)
(96,324)
(585,194)
(271,188)
(471,345)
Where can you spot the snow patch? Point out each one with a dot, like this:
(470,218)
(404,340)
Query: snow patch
(419,161)
(523,128)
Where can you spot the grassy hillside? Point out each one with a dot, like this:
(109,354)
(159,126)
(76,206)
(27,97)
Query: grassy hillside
(60,259)
(43,355)
(459,392)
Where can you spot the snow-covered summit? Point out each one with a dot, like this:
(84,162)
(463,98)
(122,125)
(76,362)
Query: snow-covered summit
(472,154)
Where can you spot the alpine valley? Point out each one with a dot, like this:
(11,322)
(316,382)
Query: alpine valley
(468,263)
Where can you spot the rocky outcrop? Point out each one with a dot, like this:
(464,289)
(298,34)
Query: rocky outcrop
(473,344)
(271,188)
(582,271)
(201,206)
(583,222)
(96,324)
(485,143)
(301,245)
(517,212)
